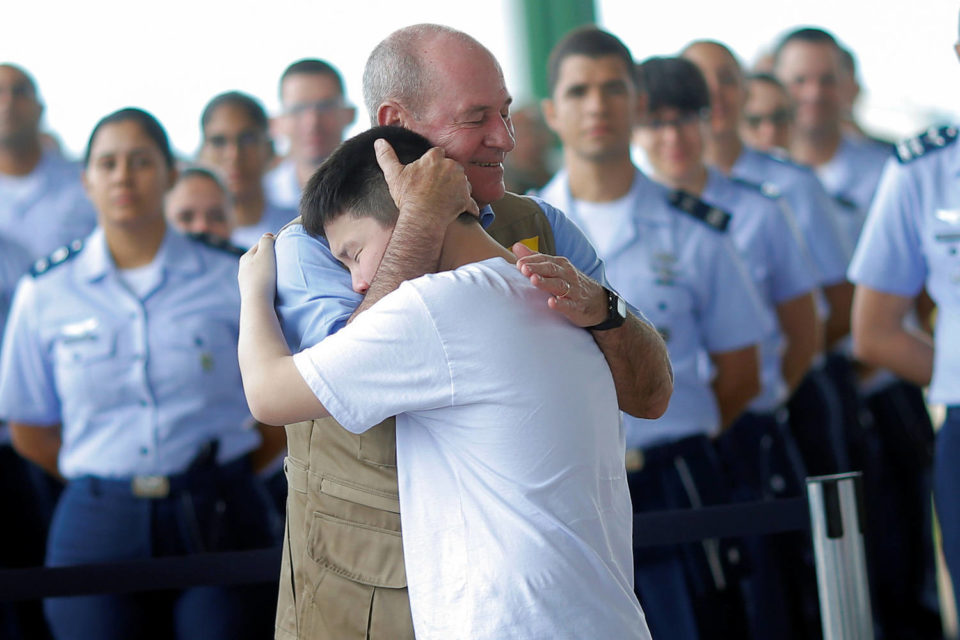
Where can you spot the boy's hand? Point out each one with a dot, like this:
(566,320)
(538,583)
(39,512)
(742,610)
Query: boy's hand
(258,271)
(431,186)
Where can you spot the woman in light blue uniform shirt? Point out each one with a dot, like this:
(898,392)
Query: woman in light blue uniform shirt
(911,240)
(236,142)
(673,139)
(119,373)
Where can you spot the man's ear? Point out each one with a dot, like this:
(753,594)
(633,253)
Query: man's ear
(392,113)
(549,113)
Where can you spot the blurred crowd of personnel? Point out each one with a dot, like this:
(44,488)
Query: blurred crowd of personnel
(726,204)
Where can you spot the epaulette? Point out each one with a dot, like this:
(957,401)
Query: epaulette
(767,189)
(216,242)
(846,203)
(58,257)
(930,140)
(694,206)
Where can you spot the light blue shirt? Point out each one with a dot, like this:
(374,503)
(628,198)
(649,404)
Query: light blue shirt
(315,297)
(777,263)
(138,385)
(811,207)
(851,178)
(47,208)
(912,239)
(14,262)
(283,186)
(272,221)
(687,278)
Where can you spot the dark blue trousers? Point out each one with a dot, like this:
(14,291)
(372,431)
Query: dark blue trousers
(761,458)
(946,491)
(687,591)
(212,509)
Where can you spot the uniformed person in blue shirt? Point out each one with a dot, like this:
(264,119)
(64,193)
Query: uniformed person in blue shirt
(673,138)
(912,240)
(119,374)
(26,495)
(818,430)
(672,256)
(236,142)
(42,203)
(886,418)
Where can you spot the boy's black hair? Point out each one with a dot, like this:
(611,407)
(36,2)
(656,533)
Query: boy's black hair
(351,182)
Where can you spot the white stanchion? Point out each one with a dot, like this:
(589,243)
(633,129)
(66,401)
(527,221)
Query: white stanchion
(836,512)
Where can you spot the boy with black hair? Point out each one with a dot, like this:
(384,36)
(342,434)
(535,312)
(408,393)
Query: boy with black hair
(516,515)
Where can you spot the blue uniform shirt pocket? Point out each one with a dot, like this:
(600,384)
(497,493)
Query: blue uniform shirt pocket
(84,361)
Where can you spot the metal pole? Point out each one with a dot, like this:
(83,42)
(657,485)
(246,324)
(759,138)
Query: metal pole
(836,514)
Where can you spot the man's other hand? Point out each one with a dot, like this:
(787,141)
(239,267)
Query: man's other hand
(579,298)
(432,186)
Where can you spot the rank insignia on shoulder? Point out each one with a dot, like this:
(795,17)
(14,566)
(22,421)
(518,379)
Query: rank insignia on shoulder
(694,206)
(930,140)
(217,243)
(59,256)
(768,189)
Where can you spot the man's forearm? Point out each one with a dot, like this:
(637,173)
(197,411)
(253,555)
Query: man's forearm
(638,359)
(38,444)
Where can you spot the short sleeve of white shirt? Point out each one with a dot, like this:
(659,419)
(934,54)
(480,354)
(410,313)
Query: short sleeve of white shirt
(389,360)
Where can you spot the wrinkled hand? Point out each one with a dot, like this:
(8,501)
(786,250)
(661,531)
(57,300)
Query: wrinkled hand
(258,270)
(433,187)
(580,299)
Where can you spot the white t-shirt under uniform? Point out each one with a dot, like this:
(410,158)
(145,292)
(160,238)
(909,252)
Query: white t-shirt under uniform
(516,515)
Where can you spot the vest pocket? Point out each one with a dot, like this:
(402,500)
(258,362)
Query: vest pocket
(378,445)
(359,551)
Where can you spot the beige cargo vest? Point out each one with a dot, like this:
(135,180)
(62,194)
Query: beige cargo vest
(343,509)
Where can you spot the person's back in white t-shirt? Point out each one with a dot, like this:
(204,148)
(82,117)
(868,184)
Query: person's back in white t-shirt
(515,510)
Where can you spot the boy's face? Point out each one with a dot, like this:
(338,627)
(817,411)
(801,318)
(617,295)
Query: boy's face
(359,243)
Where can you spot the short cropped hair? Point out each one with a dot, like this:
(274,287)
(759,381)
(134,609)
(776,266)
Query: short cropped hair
(809,35)
(350,182)
(247,103)
(196,171)
(768,78)
(587,41)
(312,67)
(150,126)
(31,83)
(673,83)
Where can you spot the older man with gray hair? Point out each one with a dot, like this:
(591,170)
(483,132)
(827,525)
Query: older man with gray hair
(343,572)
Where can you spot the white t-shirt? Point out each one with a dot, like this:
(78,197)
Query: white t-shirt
(604,220)
(517,520)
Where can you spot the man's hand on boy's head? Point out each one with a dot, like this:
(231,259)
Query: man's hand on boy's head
(258,271)
(432,187)
(580,299)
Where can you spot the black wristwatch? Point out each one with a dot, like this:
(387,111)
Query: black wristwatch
(616,312)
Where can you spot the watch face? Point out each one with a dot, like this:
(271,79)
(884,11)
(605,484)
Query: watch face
(621,307)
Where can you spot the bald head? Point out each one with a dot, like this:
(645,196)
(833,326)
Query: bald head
(20,108)
(722,71)
(446,86)
(399,68)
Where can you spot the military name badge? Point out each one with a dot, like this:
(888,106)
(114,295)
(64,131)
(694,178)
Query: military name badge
(664,267)
(949,217)
(80,331)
